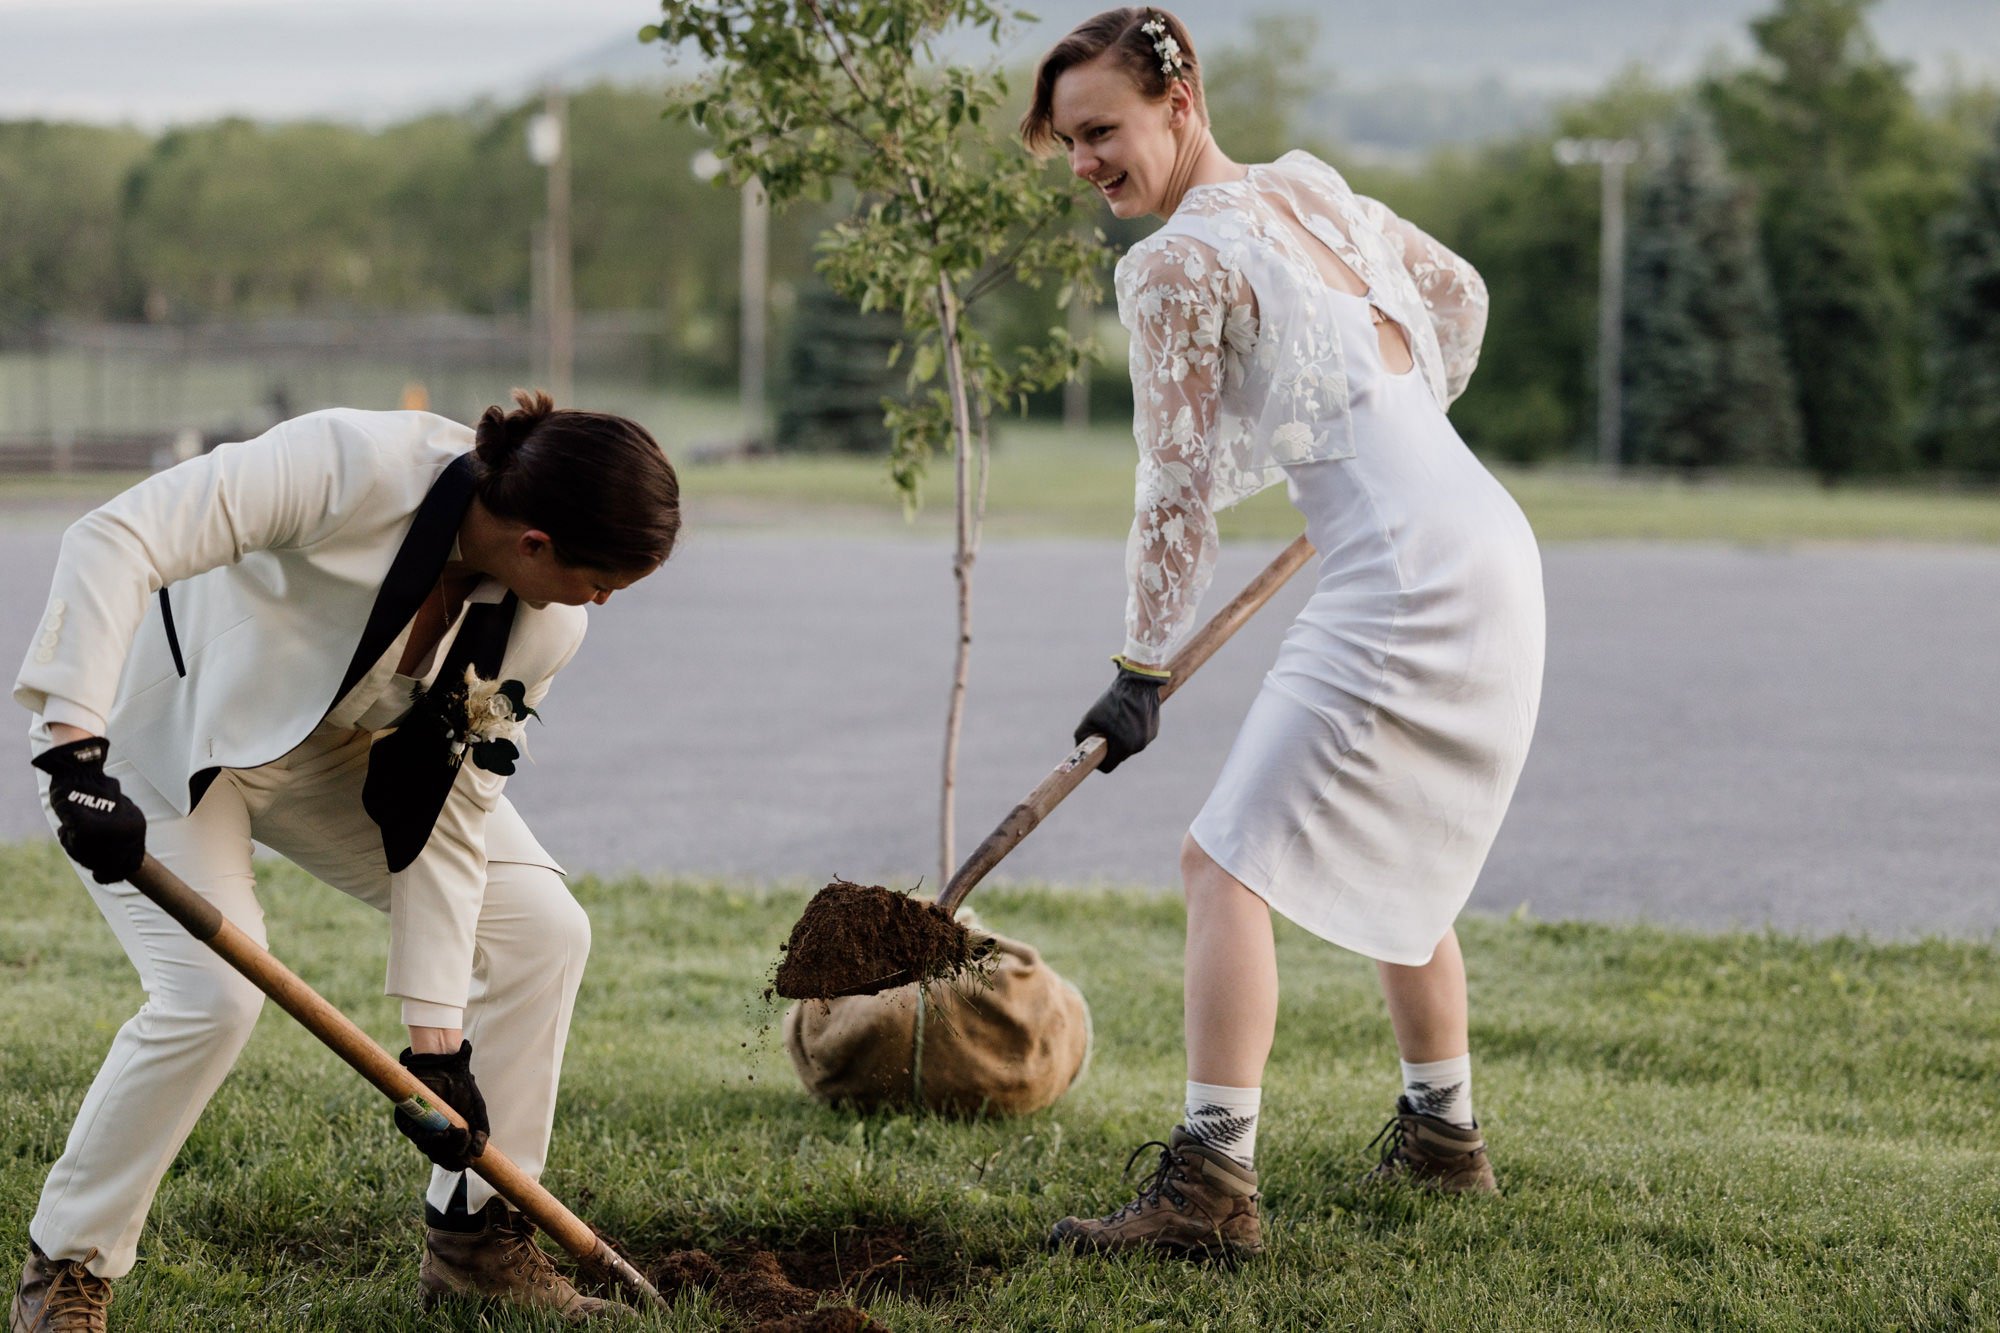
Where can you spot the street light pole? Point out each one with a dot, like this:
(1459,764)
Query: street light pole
(753,295)
(1613,156)
(548,145)
(754,277)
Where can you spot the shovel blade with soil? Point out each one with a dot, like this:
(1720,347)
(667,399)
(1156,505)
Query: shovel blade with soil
(860,939)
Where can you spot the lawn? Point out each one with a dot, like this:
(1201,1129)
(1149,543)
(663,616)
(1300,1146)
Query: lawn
(1692,1131)
(1046,482)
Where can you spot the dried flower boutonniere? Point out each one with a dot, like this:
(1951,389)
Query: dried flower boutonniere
(484,720)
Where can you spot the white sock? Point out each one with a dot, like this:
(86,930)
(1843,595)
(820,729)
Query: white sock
(1441,1088)
(1224,1119)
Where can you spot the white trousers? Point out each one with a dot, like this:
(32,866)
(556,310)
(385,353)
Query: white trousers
(170,1058)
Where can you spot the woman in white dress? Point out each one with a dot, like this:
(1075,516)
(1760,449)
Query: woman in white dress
(1287,329)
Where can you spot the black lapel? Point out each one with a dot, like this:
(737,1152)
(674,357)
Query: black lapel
(414,571)
(410,771)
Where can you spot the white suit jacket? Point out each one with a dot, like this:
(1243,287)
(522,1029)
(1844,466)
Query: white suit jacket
(276,550)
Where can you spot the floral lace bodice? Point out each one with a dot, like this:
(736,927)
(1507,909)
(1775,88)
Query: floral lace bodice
(1237,370)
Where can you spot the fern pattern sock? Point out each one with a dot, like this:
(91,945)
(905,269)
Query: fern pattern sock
(1441,1088)
(1224,1118)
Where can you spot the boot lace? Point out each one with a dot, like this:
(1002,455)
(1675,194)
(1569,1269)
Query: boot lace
(77,1301)
(517,1239)
(1390,1139)
(1161,1181)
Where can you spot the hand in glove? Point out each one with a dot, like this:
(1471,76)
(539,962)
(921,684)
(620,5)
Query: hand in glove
(450,1077)
(1127,715)
(96,822)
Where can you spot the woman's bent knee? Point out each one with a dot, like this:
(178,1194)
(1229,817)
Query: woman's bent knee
(1201,876)
(216,1006)
(1205,883)
(553,925)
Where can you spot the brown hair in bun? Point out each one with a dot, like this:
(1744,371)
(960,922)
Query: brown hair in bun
(1120,36)
(598,485)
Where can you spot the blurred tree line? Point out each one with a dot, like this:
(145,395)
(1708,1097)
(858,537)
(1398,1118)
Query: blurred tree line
(237,219)
(1813,266)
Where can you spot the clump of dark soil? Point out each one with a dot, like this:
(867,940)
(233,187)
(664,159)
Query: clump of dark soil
(782,1290)
(859,939)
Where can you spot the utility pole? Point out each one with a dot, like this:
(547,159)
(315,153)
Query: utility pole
(754,277)
(753,295)
(548,146)
(1613,156)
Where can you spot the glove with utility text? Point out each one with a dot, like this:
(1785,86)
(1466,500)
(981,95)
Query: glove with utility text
(450,1077)
(96,822)
(1127,715)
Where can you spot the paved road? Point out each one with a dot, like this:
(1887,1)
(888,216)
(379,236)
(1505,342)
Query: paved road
(1805,738)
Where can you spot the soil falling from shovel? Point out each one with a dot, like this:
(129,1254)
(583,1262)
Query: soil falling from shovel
(860,939)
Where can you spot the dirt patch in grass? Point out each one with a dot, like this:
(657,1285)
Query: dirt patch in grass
(860,939)
(809,1287)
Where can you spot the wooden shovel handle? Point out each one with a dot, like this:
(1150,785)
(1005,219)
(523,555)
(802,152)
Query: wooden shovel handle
(207,924)
(1078,764)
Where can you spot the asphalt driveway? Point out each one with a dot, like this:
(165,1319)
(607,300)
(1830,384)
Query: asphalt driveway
(1804,738)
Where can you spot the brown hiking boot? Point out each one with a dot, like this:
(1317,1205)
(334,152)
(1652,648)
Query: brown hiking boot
(1422,1150)
(58,1296)
(500,1261)
(1198,1203)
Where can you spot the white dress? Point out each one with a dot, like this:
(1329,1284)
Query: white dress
(1368,781)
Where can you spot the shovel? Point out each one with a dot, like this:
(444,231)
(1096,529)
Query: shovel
(896,958)
(1084,759)
(206,923)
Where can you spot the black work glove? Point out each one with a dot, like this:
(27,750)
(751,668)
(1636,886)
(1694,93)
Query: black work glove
(1127,715)
(96,822)
(450,1077)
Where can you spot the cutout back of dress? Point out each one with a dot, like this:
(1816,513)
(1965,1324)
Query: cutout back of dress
(1314,255)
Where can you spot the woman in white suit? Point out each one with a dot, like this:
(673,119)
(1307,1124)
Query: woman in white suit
(324,639)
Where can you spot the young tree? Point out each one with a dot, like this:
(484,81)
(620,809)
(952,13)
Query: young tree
(802,94)
(1705,377)
(1962,418)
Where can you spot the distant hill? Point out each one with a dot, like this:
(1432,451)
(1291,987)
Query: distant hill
(1408,76)
(1440,69)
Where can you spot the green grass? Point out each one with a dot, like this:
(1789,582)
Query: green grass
(1693,1132)
(1047,483)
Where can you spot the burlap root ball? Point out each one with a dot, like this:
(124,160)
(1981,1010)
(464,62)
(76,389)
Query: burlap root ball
(1007,1044)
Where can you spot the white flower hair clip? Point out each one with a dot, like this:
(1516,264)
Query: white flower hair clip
(1164,46)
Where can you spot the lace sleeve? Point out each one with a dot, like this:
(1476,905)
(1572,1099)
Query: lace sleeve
(1174,299)
(1454,293)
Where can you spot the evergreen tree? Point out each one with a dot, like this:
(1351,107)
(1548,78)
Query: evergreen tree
(1840,316)
(1962,418)
(837,374)
(1820,84)
(1705,377)
(1826,124)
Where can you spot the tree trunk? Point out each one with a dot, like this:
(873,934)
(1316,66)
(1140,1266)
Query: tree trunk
(961,568)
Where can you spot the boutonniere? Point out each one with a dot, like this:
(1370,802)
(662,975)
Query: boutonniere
(483,720)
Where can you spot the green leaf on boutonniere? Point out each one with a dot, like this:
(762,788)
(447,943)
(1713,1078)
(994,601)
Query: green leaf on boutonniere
(496,756)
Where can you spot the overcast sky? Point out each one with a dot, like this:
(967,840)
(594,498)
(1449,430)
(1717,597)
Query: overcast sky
(158,61)
(168,60)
